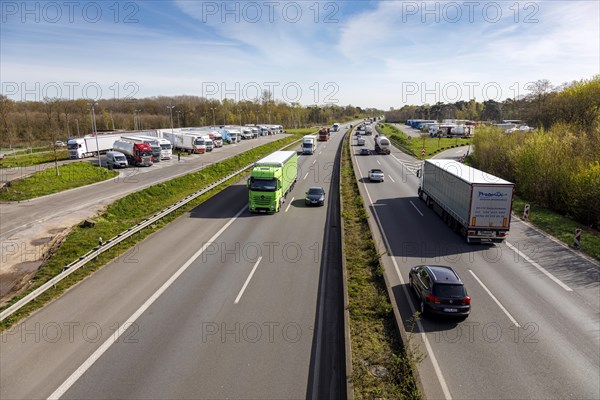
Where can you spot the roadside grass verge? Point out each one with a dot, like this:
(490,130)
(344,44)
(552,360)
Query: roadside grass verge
(301,131)
(559,226)
(124,213)
(32,150)
(33,159)
(381,368)
(414,146)
(46,182)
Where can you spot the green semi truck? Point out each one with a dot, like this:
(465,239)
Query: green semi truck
(272,178)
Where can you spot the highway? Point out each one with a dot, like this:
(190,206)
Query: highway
(220,303)
(533,331)
(28,226)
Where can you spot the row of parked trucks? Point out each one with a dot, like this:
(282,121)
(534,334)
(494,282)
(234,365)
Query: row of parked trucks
(162,142)
(446,128)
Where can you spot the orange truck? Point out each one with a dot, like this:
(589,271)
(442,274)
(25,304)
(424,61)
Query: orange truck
(323,135)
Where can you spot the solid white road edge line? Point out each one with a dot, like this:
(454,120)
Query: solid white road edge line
(540,268)
(239,296)
(434,362)
(62,389)
(514,321)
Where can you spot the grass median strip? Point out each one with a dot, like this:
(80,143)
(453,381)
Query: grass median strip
(125,213)
(47,182)
(415,145)
(381,366)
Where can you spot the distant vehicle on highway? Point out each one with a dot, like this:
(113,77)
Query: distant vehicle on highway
(360,141)
(364,152)
(58,143)
(376,175)
(439,290)
(315,196)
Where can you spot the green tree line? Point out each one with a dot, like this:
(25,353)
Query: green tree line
(32,122)
(558,166)
(577,102)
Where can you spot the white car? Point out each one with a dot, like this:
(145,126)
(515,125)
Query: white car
(376,175)
(58,143)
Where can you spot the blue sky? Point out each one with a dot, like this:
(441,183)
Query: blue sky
(367,53)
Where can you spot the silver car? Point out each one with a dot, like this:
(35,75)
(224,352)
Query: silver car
(376,175)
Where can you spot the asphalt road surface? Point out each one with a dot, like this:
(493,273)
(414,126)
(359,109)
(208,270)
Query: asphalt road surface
(220,303)
(533,331)
(27,228)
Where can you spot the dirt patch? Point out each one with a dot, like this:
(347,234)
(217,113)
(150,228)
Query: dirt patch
(27,263)
(17,280)
(41,241)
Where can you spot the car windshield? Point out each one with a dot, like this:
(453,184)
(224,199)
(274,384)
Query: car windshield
(120,158)
(146,153)
(377,171)
(199,142)
(449,291)
(73,146)
(165,146)
(263,185)
(315,191)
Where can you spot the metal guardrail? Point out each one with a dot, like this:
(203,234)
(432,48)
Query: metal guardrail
(92,254)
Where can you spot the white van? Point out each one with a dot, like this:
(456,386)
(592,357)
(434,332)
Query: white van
(208,142)
(116,159)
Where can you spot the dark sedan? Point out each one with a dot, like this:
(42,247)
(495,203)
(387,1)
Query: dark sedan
(315,196)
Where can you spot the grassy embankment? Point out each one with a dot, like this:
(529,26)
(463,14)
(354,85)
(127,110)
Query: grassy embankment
(374,335)
(47,182)
(560,227)
(33,159)
(414,146)
(125,213)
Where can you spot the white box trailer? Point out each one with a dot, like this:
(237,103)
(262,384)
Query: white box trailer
(475,203)
(88,146)
(191,143)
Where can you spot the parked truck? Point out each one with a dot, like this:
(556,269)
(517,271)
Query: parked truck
(166,149)
(150,141)
(382,145)
(323,135)
(188,142)
(476,204)
(88,146)
(138,154)
(309,144)
(272,178)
